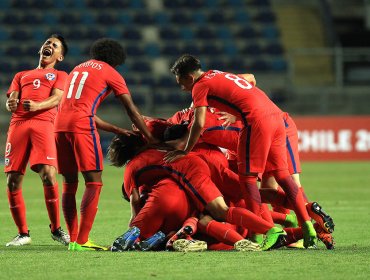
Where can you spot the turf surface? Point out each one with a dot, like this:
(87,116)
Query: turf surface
(341,188)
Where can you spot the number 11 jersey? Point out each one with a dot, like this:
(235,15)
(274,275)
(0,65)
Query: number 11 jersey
(88,84)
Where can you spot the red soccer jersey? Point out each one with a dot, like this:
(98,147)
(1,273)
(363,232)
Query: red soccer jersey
(36,85)
(233,94)
(86,87)
(213,132)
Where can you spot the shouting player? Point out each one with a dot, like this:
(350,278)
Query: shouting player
(78,143)
(32,99)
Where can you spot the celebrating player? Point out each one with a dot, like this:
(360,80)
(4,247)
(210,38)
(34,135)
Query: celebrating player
(78,142)
(32,99)
(262,138)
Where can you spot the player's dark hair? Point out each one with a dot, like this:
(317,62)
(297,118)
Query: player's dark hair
(109,51)
(175,132)
(62,41)
(185,64)
(123,148)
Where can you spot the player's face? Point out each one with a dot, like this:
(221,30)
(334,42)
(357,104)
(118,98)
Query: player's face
(186,82)
(51,51)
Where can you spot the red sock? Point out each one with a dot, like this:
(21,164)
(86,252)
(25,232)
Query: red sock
(278,218)
(293,234)
(272,196)
(18,210)
(265,213)
(88,209)
(251,193)
(294,196)
(192,222)
(223,232)
(70,210)
(304,195)
(51,195)
(245,218)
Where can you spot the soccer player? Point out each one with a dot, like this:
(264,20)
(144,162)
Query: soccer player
(262,139)
(78,143)
(32,99)
(145,166)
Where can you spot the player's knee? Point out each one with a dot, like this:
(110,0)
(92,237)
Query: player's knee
(204,221)
(14,181)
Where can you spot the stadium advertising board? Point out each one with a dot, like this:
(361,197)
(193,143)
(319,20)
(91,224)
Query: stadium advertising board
(334,138)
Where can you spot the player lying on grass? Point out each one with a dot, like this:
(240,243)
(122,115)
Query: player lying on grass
(145,166)
(214,133)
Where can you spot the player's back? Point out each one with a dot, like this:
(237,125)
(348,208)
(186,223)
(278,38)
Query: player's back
(86,87)
(231,93)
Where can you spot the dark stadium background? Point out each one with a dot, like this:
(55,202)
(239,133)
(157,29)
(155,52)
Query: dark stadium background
(311,57)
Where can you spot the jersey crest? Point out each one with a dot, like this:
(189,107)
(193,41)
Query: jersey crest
(50,76)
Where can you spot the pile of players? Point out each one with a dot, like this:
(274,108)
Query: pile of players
(185,193)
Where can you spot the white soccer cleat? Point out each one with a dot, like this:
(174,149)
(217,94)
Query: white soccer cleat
(186,245)
(61,236)
(20,240)
(245,245)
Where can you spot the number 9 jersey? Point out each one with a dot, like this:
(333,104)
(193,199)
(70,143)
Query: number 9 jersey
(86,87)
(36,85)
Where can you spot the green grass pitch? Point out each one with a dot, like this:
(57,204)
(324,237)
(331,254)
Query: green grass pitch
(341,188)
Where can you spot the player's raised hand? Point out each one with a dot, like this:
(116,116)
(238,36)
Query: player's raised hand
(31,106)
(228,118)
(12,104)
(174,155)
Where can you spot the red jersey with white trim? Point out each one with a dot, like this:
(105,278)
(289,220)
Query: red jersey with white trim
(88,84)
(233,94)
(36,85)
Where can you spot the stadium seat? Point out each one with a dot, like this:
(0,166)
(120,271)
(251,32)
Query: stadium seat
(191,49)
(247,32)
(253,49)
(230,49)
(107,19)
(134,50)
(140,66)
(205,33)
(170,50)
(152,50)
(273,49)
(21,35)
(94,33)
(217,17)
(169,33)
(132,34)
(259,65)
(279,64)
(180,18)
(199,17)
(270,32)
(161,18)
(211,49)
(69,19)
(11,18)
(143,19)
(15,51)
(186,34)
(31,19)
(265,17)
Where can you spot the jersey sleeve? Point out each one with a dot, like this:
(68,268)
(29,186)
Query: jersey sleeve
(16,84)
(117,83)
(128,180)
(61,79)
(199,94)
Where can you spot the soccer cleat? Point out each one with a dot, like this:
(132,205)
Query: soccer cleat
(183,233)
(88,246)
(246,245)
(320,216)
(324,237)
(296,245)
(61,236)
(275,238)
(71,246)
(192,245)
(291,221)
(126,241)
(20,239)
(309,234)
(152,242)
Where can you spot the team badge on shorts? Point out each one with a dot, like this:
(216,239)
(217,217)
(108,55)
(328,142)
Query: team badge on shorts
(50,76)
(7,161)
(8,148)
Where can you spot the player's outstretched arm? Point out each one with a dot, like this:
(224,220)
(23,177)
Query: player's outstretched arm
(48,103)
(12,102)
(135,204)
(136,117)
(195,131)
(106,126)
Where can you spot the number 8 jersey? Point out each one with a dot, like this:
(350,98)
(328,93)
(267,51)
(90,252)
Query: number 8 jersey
(36,85)
(86,87)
